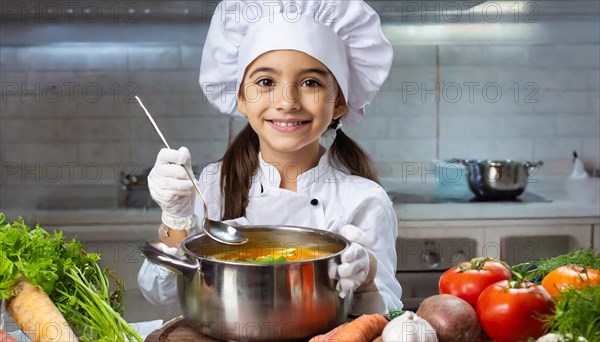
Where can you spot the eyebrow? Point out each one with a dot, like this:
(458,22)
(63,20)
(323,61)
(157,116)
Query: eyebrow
(319,71)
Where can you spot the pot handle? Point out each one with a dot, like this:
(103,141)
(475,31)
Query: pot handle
(531,166)
(174,264)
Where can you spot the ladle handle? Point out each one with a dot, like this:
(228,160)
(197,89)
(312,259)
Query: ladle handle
(167,146)
(153,123)
(198,191)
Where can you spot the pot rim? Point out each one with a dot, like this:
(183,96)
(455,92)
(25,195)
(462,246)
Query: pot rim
(496,161)
(183,246)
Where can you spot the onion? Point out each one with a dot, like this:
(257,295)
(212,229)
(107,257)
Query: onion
(452,318)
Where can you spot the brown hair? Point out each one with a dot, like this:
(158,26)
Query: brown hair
(240,162)
(346,152)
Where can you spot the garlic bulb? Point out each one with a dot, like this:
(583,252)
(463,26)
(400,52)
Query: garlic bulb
(409,327)
(552,337)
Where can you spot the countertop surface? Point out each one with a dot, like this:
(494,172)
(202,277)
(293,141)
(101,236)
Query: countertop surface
(547,197)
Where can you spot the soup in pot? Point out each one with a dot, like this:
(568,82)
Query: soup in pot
(271,255)
(269,245)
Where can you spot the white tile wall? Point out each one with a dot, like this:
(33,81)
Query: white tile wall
(154,57)
(73,103)
(486,148)
(87,57)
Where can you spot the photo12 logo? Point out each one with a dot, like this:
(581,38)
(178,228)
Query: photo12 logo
(453,92)
(469,11)
(49,12)
(70,91)
(457,170)
(64,172)
(272,11)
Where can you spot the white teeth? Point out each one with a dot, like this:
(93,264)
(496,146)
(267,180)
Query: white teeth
(286,124)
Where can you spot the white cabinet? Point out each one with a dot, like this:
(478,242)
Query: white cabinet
(529,239)
(512,240)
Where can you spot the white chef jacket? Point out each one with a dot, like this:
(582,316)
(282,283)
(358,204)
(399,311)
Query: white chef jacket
(326,198)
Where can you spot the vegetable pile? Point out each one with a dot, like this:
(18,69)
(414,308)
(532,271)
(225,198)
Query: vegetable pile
(556,295)
(36,265)
(487,300)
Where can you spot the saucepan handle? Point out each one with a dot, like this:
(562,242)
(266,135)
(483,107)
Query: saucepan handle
(161,258)
(532,166)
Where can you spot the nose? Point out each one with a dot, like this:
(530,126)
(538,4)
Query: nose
(287,97)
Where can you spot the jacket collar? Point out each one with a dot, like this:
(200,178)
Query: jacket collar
(268,176)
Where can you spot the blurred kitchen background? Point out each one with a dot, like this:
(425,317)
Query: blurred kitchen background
(499,80)
(515,80)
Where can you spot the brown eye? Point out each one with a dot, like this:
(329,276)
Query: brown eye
(311,83)
(265,82)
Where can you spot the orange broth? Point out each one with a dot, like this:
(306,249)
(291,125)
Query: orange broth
(256,254)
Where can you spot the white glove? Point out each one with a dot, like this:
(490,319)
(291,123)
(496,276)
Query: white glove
(172,189)
(353,270)
(355,234)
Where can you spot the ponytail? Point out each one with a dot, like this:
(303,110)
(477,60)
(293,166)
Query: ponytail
(238,167)
(347,153)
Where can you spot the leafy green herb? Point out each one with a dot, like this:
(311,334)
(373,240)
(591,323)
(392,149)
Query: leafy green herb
(577,313)
(395,313)
(70,276)
(267,259)
(534,271)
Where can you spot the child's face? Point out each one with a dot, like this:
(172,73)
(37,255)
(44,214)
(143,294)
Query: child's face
(290,99)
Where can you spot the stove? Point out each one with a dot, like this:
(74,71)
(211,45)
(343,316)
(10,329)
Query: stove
(457,197)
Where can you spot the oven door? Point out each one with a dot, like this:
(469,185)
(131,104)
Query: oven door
(421,262)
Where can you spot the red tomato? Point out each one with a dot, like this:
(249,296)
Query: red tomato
(469,279)
(513,314)
(5,337)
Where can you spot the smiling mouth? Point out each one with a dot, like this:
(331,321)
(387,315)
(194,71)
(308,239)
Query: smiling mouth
(287,124)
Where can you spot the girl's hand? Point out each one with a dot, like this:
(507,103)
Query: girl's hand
(358,267)
(354,268)
(171,188)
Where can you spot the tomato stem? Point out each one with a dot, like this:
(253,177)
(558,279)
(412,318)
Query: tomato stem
(517,281)
(479,264)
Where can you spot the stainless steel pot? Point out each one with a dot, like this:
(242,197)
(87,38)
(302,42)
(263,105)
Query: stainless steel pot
(496,180)
(242,301)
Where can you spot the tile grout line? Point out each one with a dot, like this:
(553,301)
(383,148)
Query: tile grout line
(437,102)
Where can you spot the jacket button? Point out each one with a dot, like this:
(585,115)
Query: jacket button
(314,201)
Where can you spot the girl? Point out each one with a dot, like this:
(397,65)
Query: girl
(296,71)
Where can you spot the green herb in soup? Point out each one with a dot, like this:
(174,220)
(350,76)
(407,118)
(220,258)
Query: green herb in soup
(271,255)
(267,259)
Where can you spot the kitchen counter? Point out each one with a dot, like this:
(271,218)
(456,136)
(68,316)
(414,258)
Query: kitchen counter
(572,208)
(95,224)
(564,197)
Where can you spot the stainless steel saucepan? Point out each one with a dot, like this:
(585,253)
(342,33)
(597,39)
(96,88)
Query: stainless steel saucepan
(496,180)
(244,301)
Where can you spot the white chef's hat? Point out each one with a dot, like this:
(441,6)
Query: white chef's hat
(344,35)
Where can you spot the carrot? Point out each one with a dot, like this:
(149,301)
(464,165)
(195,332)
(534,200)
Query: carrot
(327,336)
(37,316)
(363,329)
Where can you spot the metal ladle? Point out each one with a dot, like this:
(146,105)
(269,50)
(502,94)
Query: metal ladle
(216,230)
